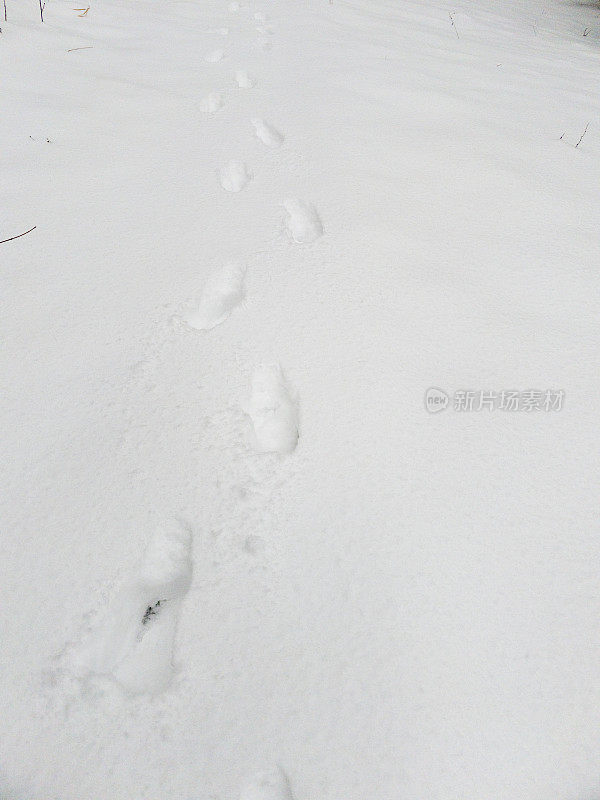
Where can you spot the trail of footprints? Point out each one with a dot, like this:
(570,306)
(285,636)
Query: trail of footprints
(133,641)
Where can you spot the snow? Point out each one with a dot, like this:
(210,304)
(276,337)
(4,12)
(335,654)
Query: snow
(302,222)
(267,134)
(212,102)
(223,291)
(134,643)
(273,411)
(401,604)
(234,176)
(243,80)
(214,56)
(268,785)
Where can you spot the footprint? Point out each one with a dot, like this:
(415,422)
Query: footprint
(243,80)
(265,30)
(267,133)
(272,411)
(212,103)
(223,291)
(302,223)
(214,56)
(234,7)
(234,176)
(271,784)
(135,644)
(260,16)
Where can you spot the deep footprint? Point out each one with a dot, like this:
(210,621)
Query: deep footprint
(135,644)
(214,56)
(271,784)
(272,411)
(212,103)
(302,223)
(223,291)
(243,80)
(267,134)
(234,176)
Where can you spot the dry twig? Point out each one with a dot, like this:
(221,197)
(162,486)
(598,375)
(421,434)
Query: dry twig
(19,236)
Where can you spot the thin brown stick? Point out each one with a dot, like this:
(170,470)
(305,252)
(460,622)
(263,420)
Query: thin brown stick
(5,18)
(582,135)
(19,236)
(42,10)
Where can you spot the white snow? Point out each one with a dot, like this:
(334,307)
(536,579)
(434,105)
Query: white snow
(302,221)
(403,607)
(273,411)
(243,80)
(267,133)
(223,291)
(134,644)
(212,102)
(270,784)
(234,176)
(214,56)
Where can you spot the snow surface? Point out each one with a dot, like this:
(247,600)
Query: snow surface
(273,411)
(223,291)
(406,605)
(268,785)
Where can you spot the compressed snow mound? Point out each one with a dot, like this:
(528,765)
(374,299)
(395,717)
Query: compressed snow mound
(302,223)
(267,134)
(243,80)
(234,176)
(214,56)
(273,412)
(223,291)
(270,784)
(134,645)
(212,103)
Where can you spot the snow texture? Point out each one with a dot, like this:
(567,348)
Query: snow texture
(267,134)
(406,605)
(212,103)
(273,412)
(223,291)
(234,176)
(270,784)
(136,641)
(302,222)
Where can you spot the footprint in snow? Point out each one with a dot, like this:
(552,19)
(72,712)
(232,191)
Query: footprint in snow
(272,411)
(302,222)
(135,644)
(223,291)
(212,103)
(265,30)
(271,784)
(234,7)
(243,80)
(267,133)
(234,176)
(214,56)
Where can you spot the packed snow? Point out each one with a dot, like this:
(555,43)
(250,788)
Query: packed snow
(273,411)
(299,397)
(234,176)
(223,291)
